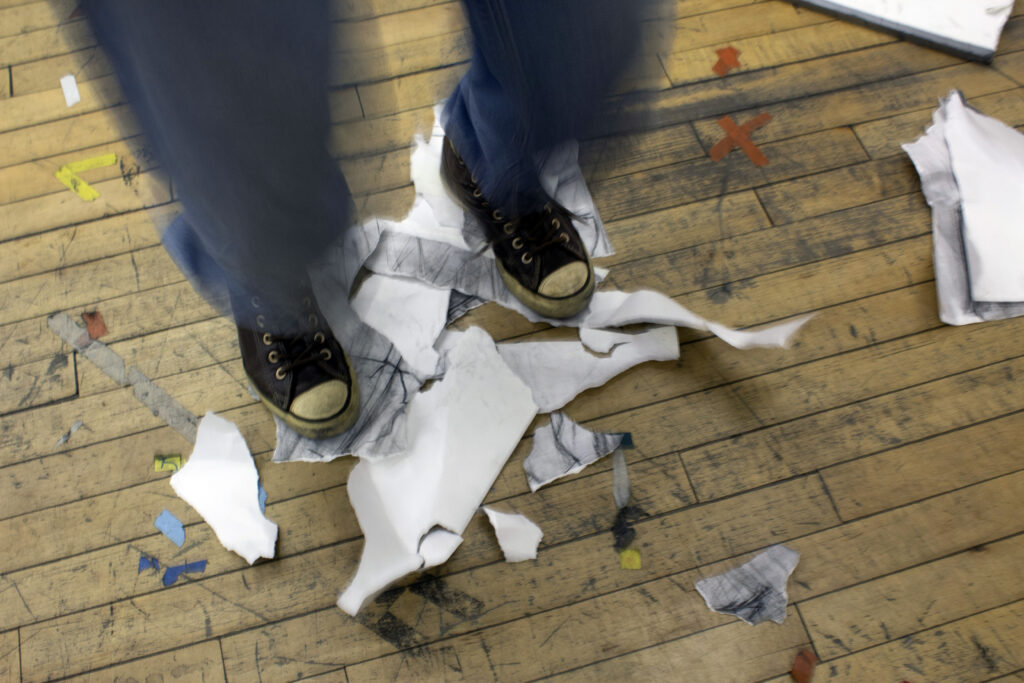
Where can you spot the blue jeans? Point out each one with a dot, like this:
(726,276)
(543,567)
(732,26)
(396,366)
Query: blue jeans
(232,95)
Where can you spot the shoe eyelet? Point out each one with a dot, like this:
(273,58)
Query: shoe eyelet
(326,354)
(564,237)
(280,373)
(319,338)
(255,301)
(477,193)
(261,321)
(485,204)
(527,259)
(473,179)
(267,339)
(307,302)
(273,357)
(509,228)
(555,223)
(547,208)
(497,215)
(313,320)
(517,243)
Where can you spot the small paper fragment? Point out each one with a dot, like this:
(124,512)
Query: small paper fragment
(170,462)
(563,447)
(803,666)
(755,591)
(94,324)
(171,527)
(220,481)
(70,87)
(620,479)
(66,436)
(262,495)
(517,535)
(630,559)
(146,562)
(171,574)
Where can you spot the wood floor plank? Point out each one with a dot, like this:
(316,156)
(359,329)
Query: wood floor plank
(859,429)
(36,178)
(64,207)
(563,575)
(34,16)
(10,658)
(729,653)
(870,485)
(63,136)
(47,42)
(23,111)
(40,75)
(878,100)
(819,39)
(972,649)
(398,27)
(926,596)
(726,26)
(883,137)
(196,663)
(1012,65)
(36,384)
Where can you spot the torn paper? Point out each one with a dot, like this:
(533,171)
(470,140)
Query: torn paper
(620,479)
(755,591)
(517,535)
(220,481)
(563,447)
(557,372)
(459,433)
(171,574)
(171,527)
(968,28)
(70,88)
(971,169)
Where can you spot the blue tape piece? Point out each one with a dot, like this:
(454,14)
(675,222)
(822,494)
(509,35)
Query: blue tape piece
(171,526)
(148,563)
(627,440)
(263,497)
(172,573)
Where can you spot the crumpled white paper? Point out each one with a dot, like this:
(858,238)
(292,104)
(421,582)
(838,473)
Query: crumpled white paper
(563,447)
(972,169)
(517,535)
(220,481)
(460,433)
(755,591)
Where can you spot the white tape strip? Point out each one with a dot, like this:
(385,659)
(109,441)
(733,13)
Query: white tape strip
(149,394)
(70,88)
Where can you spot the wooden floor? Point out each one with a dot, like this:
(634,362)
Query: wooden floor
(884,447)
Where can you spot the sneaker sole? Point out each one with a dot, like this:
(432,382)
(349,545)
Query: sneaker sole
(321,429)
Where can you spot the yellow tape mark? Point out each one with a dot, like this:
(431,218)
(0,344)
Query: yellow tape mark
(167,463)
(68,175)
(630,559)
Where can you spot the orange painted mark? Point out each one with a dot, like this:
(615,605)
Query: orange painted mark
(728,59)
(94,324)
(739,136)
(803,666)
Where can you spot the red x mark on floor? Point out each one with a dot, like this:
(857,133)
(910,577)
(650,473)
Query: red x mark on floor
(739,136)
(728,59)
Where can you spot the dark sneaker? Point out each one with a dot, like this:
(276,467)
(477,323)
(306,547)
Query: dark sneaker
(540,256)
(306,380)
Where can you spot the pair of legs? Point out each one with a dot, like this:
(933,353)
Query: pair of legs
(233,97)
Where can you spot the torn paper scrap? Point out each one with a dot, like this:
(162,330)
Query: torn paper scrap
(803,666)
(66,436)
(517,535)
(460,433)
(562,447)
(630,559)
(557,372)
(146,562)
(70,88)
(171,527)
(170,462)
(220,481)
(968,28)
(261,494)
(171,574)
(755,591)
(437,546)
(960,269)
(409,313)
(94,324)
